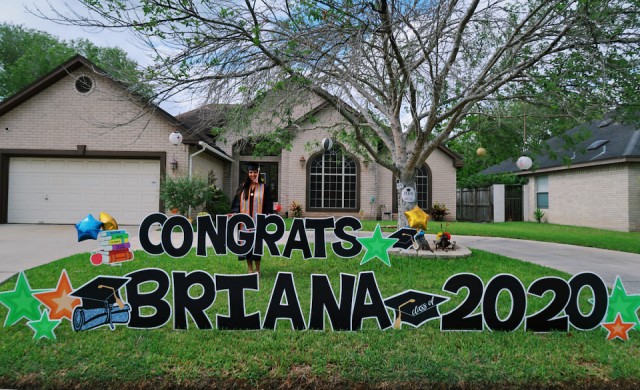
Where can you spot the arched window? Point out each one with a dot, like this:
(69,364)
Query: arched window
(332,181)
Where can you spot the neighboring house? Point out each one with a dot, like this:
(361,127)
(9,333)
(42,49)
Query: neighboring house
(595,183)
(76,142)
(332,182)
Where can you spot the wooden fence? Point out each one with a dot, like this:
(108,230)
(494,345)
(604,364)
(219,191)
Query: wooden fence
(474,204)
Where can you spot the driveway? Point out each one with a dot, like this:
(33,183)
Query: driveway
(27,246)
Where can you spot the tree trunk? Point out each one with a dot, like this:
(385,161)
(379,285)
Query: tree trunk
(407,197)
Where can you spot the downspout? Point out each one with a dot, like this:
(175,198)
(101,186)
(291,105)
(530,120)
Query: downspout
(191,164)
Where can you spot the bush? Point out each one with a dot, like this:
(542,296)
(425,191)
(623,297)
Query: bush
(184,192)
(219,203)
(438,211)
(538,215)
(295,210)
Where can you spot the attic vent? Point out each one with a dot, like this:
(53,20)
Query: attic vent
(605,122)
(84,84)
(596,144)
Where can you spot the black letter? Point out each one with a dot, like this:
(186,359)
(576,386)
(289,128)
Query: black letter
(264,237)
(154,299)
(367,285)
(236,284)
(143,233)
(297,228)
(318,225)
(183,302)
(284,286)
(323,298)
(187,236)
(217,236)
(243,236)
(339,231)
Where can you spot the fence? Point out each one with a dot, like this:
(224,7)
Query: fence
(474,204)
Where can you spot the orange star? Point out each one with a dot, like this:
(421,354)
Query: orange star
(59,301)
(618,328)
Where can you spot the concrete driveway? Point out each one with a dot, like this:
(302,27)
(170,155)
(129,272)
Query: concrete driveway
(27,246)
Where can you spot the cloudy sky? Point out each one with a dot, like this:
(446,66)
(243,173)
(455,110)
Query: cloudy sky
(15,12)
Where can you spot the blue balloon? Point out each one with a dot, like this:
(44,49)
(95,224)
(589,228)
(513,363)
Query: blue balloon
(88,228)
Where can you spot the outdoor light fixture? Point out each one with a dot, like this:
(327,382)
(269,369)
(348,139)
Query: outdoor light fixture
(173,163)
(302,161)
(175,137)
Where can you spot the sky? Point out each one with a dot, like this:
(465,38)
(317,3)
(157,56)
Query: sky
(15,12)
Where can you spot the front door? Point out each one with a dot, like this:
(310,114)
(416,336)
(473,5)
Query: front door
(268,175)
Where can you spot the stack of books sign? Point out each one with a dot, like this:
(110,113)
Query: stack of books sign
(114,247)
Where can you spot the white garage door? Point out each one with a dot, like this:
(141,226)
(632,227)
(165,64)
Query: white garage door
(65,190)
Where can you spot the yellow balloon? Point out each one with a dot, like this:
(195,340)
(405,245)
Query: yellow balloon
(108,223)
(417,218)
(481,152)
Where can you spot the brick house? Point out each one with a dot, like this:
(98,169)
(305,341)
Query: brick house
(595,183)
(76,142)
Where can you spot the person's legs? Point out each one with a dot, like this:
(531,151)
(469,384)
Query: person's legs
(257,262)
(249,266)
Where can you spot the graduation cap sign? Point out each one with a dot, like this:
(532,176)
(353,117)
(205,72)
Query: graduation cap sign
(405,237)
(414,307)
(101,303)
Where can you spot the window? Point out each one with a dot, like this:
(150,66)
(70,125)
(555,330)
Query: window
(422,188)
(542,192)
(84,84)
(333,181)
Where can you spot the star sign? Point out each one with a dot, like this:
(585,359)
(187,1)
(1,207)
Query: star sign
(44,326)
(624,304)
(377,246)
(618,328)
(21,302)
(58,301)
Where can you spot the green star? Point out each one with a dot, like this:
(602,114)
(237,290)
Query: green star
(44,326)
(21,302)
(626,305)
(377,246)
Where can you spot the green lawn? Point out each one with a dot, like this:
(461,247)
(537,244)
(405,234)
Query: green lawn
(563,234)
(413,358)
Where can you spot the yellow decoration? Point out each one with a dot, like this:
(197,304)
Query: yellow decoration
(481,152)
(417,218)
(108,223)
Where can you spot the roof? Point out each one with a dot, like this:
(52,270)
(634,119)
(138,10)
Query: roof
(607,141)
(79,61)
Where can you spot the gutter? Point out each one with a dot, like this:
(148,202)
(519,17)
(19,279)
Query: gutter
(215,151)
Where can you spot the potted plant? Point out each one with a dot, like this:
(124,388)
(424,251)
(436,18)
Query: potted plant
(295,210)
(438,211)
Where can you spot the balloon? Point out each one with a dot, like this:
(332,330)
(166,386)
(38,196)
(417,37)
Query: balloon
(481,152)
(417,218)
(524,163)
(108,223)
(88,228)
(277,207)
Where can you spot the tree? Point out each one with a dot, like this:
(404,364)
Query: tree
(404,75)
(26,55)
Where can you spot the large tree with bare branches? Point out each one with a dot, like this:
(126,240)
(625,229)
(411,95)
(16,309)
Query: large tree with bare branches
(404,75)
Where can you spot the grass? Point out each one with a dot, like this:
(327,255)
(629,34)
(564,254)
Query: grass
(563,234)
(413,358)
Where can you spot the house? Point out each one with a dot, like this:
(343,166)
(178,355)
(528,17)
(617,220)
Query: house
(76,142)
(326,182)
(595,183)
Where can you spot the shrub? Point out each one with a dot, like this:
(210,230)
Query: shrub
(184,192)
(219,202)
(538,215)
(295,210)
(438,211)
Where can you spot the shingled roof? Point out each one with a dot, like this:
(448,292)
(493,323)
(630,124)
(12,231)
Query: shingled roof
(607,141)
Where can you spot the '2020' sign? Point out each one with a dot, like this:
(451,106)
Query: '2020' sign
(555,316)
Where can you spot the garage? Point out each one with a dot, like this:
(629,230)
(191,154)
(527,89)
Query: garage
(64,190)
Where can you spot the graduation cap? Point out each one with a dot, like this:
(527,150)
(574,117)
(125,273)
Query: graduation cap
(414,307)
(253,167)
(405,237)
(101,303)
